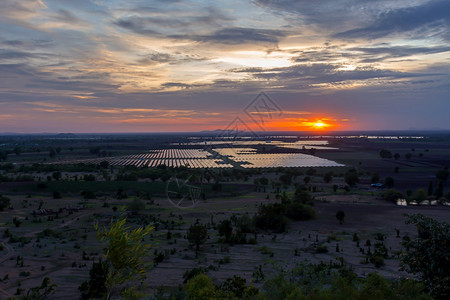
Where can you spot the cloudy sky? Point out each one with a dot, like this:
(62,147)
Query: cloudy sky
(167,65)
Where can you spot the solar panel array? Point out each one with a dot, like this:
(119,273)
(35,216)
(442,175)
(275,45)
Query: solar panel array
(190,158)
(248,158)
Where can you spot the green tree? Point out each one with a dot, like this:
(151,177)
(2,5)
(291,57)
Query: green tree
(392,195)
(52,152)
(420,195)
(136,205)
(427,255)
(225,229)
(351,178)
(328,176)
(125,251)
(442,174)
(95,287)
(264,181)
(389,182)
(41,292)
(57,175)
(340,215)
(302,196)
(385,154)
(375,178)
(17,150)
(430,188)
(197,235)
(104,164)
(5,202)
(286,179)
(200,287)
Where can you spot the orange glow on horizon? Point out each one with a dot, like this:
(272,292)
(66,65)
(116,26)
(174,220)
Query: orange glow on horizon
(305,124)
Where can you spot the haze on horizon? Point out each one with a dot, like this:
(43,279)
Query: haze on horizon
(159,66)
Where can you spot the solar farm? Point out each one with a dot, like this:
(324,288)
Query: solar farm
(217,158)
(248,158)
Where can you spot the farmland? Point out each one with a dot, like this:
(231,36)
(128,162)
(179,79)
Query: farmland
(48,228)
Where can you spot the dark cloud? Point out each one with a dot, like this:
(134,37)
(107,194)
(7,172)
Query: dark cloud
(237,36)
(63,15)
(322,73)
(176,85)
(426,17)
(11,54)
(156,57)
(162,20)
(376,53)
(136,25)
(22,77)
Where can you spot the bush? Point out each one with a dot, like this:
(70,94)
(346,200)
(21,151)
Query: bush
(351,178)
(300,212)
(200,287)
(5,202)
(271,217)
(392,195)
(321,249)
(136,205)
(427,255)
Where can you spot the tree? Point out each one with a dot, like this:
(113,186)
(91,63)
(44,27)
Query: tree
(440,189)
(57,175)
(351,178)
(216,187)
(311,172)
(95,287)
(225,229)
(286,179)
(328,176)
(200,287)
(408,155)
(306,179)
(52,152)
(396,156)
(389,182)
(392,195)
(430,188)
(420,195)
(41,292)
(3,155)
(197,235)
(375,178)
(17,221)
(136,205)
(125,252)
(5,202)
(298,211)
(442,174)
(427,254)
(302,196)
(104,164)
(385,154)
(17,150)
(264,181)
(340,215)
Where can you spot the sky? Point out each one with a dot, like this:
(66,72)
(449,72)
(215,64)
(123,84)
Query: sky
(167,65)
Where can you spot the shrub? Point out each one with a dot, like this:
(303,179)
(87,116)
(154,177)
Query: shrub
(321,249)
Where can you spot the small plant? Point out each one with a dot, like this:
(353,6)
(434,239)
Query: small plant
(322,249)
(377,260)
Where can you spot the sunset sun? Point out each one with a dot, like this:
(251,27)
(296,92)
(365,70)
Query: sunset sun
(320,125)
